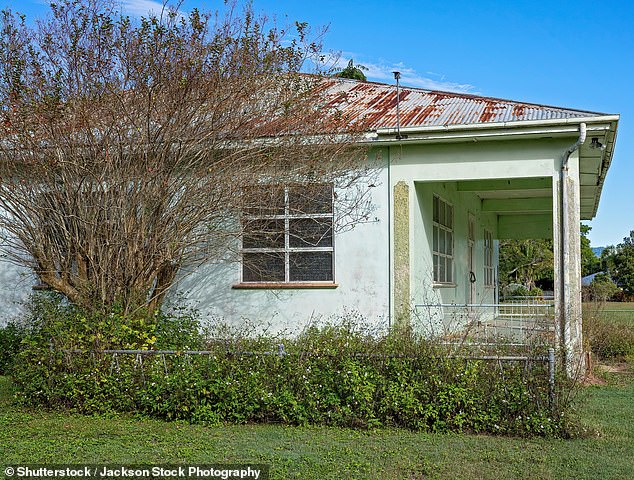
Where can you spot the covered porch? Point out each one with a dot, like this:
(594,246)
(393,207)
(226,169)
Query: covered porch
(527,190)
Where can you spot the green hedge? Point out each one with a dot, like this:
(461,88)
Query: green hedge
(11,336)
(341,375)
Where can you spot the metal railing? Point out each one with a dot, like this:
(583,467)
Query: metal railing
(143,360)
(512,323)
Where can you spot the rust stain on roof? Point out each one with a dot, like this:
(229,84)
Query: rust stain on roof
(375,104)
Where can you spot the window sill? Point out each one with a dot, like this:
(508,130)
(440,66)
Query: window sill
(282,286)
(445,285)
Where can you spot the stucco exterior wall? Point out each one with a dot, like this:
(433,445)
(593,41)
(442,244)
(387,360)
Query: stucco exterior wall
(364,270)
(436,169)
(16,284)
(361,275)
(464,204)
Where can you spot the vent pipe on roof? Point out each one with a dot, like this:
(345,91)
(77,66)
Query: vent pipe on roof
(397,77)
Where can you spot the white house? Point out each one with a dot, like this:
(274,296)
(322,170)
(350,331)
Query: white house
(457,173)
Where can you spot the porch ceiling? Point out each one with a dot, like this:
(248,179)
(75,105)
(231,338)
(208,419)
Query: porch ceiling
(523,205)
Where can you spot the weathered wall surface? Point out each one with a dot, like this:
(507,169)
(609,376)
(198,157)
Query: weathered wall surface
(16,285)
(436,169)
(361,275)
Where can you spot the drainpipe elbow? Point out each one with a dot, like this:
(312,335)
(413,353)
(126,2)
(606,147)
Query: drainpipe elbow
(580,141)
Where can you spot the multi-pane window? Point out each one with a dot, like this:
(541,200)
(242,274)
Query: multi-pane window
(288,234)
(443,241)
(489,271)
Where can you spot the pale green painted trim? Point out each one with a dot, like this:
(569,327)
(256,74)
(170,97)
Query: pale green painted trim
(523,227)
(518,205)
(505,184)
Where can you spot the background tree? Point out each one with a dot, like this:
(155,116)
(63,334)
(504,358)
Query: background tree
(601,289)
(525,262)
(618,262)
(352,71)
(128,146)
(590,263)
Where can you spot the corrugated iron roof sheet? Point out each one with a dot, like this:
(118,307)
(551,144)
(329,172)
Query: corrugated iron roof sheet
(375,105)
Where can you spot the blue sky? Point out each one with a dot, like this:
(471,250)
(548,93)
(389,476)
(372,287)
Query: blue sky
(569,54)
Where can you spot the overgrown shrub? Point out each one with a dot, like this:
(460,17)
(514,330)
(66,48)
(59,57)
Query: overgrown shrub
(600,290)
(340,375)
(11,336)
(607,338)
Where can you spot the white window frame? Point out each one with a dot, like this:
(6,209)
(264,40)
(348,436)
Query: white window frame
(289,250)
(442,227)
(489,267)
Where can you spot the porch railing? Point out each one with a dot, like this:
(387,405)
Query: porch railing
(515,322)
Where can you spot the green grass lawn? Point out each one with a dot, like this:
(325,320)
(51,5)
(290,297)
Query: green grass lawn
(323,453)
(617,311)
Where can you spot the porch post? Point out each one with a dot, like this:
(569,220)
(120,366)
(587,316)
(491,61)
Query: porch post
(567,266)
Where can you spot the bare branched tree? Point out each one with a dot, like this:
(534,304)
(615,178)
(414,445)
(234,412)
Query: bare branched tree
(128,146)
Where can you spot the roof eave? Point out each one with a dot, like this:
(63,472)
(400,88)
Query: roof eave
(499,125)
(561,127)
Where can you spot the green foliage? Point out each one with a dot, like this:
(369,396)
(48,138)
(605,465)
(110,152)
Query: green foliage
(525,262)
(11,336)
(522,291)
(352,71)
(590,263)
(339,375)
(601,289)
(619,263)
(530,261)
(64,326)
(326,453)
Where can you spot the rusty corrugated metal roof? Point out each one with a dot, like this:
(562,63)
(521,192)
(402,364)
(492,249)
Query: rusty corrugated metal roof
(375,105)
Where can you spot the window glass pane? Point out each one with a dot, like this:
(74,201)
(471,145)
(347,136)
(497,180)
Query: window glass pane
(261,200)
(436,268)
(441,241)
(310,232)
(263,267)
(436,209)
(310,266)
(441,212)
(263,233)
(310,199)
(435,240)
(449,243)
(449,217)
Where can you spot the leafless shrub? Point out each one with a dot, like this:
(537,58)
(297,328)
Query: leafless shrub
(127,146)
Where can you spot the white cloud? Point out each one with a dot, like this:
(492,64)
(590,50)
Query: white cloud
(383,72)
(143,7)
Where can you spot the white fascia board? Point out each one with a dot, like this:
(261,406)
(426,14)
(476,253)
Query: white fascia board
(559,127)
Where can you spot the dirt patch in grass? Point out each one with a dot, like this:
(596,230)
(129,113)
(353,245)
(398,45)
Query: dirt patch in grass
(609,373)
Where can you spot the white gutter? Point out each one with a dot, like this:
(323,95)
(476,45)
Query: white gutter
(471,135)
(497,125)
